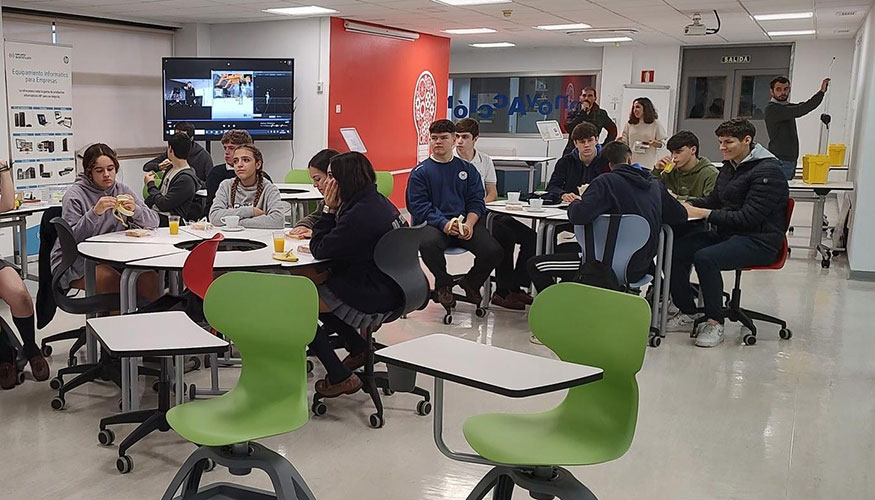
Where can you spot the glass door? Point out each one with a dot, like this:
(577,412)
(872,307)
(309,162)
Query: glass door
(752,96)
(703,106)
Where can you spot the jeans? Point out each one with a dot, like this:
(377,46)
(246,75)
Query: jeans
(509,233)
(712,253)
(487,254)
(789,168)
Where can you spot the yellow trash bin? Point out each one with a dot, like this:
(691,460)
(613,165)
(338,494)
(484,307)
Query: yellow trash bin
(837,154)
(815,169)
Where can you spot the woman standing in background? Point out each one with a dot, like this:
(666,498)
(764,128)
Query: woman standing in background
(643,133)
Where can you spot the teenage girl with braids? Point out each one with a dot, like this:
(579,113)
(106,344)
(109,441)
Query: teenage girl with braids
(249,194)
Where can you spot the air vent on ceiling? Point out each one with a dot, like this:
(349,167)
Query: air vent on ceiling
(841,31)
(844,13)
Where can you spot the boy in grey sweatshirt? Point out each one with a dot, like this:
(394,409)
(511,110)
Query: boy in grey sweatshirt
(264,195)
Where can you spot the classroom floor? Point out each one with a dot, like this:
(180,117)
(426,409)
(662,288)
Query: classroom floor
(782,419)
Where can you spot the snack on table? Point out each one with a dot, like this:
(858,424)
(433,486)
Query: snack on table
(511,206)
(138,233)
(304,249)
(201,225)
(293,236)
(285,256)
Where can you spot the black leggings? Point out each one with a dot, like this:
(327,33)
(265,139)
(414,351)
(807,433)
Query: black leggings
(322,348)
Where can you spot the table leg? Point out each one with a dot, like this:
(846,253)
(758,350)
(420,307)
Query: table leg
(126,385)
(438,396)
(817,221)
(91,353)
(22,234)
(134,385)
(666,279)
(539,232)
(550,237)
(531,177)
(656,310)
(180,379)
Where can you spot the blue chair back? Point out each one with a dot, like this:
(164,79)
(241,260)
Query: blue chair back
(633,235)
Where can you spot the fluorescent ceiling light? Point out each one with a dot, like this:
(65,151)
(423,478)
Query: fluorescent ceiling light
(792,33)
(311,10)
(560,27)
(614,39)
(463,3)
(493,45)
(469,31)
(779,17)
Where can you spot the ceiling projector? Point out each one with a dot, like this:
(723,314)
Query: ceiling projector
(696,28)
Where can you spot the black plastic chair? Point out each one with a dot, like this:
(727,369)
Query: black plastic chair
(15,344)
(396,255)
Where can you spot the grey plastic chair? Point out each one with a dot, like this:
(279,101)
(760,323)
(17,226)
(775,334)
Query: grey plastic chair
(633,235)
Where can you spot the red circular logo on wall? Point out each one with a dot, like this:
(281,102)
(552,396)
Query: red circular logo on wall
(424,111)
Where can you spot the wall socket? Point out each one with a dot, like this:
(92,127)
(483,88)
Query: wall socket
(320,87)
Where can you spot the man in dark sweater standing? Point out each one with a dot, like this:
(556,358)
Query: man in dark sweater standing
(446,192)
(588,110)
(780,119)
(748,213)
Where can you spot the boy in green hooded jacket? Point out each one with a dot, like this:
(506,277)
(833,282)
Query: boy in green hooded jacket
(691,176)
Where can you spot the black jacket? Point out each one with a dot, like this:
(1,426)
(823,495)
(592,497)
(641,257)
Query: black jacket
(750,199)
(597,116)
(349,238)
(179,199)
(198,158)
(570,173)
(630,190)
(781,125)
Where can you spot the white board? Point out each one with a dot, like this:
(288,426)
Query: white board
(659,94)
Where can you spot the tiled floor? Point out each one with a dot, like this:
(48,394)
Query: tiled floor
(779,420)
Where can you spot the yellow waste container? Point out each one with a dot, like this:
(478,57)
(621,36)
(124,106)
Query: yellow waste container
(837,154)
(815,169)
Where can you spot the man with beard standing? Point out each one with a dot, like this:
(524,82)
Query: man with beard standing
(588,110)
(780,119)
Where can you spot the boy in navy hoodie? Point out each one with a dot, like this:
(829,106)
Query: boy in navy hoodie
(626,189)
(441,189)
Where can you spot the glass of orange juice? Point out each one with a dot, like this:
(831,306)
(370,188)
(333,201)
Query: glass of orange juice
(668,166)
(279,242)
(174,224)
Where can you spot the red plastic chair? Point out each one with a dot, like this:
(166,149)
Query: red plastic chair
(734,311)
(197,272)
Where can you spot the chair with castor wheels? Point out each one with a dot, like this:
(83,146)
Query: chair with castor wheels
(481,308)
(20,361)
(271,318)
(595,423)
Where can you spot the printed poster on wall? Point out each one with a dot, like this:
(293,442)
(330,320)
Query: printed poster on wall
(39,93)
(424,111)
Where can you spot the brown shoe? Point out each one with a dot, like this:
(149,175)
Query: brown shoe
(349,386)
(445,297)
(523,297)
(354,362)
(472,292)
(39,368)
(507,302)
(8,375)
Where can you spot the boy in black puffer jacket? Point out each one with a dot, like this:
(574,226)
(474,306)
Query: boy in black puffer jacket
(748,213)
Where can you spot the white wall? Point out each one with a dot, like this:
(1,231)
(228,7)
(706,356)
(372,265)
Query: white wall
(512,60)
(307,41)
(862,229)
(623,65)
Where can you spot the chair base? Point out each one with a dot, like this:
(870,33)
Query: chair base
(480,308)
(240,460)
(542,483)
(78,335)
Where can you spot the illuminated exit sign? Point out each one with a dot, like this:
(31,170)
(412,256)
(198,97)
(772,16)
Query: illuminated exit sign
(735,59)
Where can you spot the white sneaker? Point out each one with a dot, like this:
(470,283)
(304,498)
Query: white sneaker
(710,335)
(681,322)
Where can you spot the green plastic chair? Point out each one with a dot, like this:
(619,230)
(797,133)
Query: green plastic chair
(271,318)
(385,183)
(158,176)
(299,176)
(595,422)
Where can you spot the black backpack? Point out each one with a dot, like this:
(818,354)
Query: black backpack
(600,273)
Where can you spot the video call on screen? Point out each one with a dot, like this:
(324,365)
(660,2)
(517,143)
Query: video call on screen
(217,95)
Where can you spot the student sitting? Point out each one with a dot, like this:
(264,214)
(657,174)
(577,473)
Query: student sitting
(627,189)
(199,159)
(89,206)
(230,140)
(318,168)
(692,176)
(15,294)
(178,186)
(578,168)
(441,189)
(249,195)
(356,295)
(508,231)
(748,213)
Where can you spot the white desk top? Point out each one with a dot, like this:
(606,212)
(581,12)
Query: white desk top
(231,260)
(549,211)
(526,159)
(302,192)
(119,253)
(28,209)
(798,185)
(153,334)
(509,373)
(159,235)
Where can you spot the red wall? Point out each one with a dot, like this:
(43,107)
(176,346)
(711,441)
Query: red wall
(373,80)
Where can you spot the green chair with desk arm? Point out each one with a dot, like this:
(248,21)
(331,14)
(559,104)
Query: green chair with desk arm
(271,318)
(595,423)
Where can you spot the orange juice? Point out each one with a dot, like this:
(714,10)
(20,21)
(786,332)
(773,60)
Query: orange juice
(174,225)
(279,243)
(668,167)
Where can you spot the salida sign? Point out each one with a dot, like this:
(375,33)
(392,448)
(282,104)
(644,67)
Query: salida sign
(539,103)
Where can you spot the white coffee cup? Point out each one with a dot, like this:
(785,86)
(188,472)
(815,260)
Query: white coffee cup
(536,204)
(232,221)
(513,197)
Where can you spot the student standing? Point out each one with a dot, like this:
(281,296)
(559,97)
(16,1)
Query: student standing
(781,118)
(588,110)
(178,186)
(643,132)
(249,195)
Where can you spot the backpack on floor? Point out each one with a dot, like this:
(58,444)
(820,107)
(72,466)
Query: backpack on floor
(599,272)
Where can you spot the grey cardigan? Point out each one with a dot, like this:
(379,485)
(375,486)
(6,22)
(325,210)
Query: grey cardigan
(275,209)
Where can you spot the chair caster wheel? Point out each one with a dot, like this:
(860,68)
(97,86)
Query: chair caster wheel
(156,385)
(209,465)
(58,403)
(448,318)
(46,350)
(785,333)
(423,408)
(19,378)
(195,362)
(749,339)
(310,366)
(124,464)
(319,408)
(192,392)
(480,312)
(824,263)
(376,421)
(655,341)
(387,391)
(106,437)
